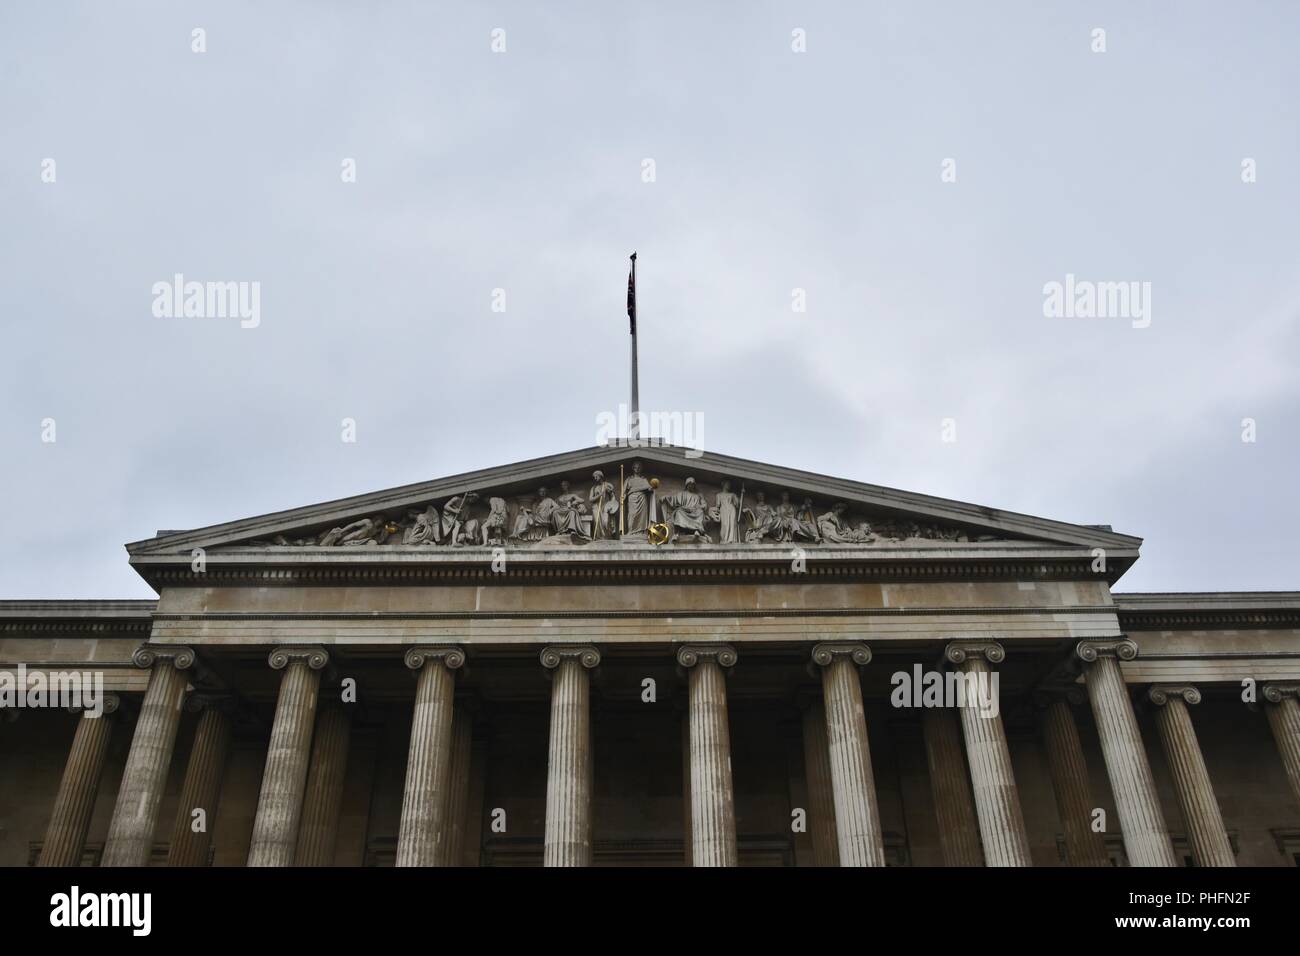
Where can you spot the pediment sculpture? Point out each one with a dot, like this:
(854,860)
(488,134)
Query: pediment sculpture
(636,509)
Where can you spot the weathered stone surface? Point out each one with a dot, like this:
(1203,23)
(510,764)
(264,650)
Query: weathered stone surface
(1146,838)
(713,802)
(130,835)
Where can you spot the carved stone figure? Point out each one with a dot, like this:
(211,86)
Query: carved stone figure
(425,527)
(687,510)
(457,525)
(834,530)
(805,522)
(534,524)
(366,531)
(637,501)
(494,525)
(568,514)
(726,512)
(763,520)
(348,532)
(603,502)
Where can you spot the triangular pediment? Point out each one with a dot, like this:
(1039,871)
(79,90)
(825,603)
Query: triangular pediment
(680,502)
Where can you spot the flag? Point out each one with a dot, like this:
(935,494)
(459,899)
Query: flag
(631,297)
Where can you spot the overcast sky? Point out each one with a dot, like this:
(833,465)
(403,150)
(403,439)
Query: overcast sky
(774,170)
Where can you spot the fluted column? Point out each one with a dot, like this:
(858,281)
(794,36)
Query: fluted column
(462,754)
(954,806)
(853,785)
(1282,707)
(202,787)
(821,791)
(65,837)
(1146,839)
(713,804)
(319,829)
(1084,846)
(422,834)
(1206,833)
(135,815)
(997,799)
(569,773)
(279,808)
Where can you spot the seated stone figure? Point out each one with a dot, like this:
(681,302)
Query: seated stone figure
(763,520)
(534,524)
(568,514)
(425,527)
(686,511)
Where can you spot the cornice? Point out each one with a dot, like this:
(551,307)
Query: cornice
(384,570)
(655,613)
(1208,610)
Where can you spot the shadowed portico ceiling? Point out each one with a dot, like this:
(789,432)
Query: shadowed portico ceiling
(703,520)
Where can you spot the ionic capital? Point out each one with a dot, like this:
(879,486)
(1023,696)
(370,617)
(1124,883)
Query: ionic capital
(824,654)
(585,654)
(1161,694)
(1122,649)
(1276,693)
(958,652)
(688,655)
(448,655)
(146,655)
(314,656)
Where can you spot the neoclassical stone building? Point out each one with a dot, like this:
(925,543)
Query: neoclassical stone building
(637,657)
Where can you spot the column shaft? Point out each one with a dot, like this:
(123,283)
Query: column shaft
(65,838)
(713,811)
(279,808)
(319,829)
(954,807)
(423,831)
(462,753)
(135,816)
(201,789)
(1284,722)
(857,817)
(569,768)
(1206,833)
(997,799)
(1146,840)
(1083,845)
(821,794)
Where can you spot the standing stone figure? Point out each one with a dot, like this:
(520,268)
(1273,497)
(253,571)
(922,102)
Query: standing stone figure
(534,524)
(568,513)
(494,525)
(763,519)
(425,528)
(687,511)
(726,512)
(636,497)
(604,507)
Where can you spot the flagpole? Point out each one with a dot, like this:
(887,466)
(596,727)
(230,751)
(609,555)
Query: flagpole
(634,426)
